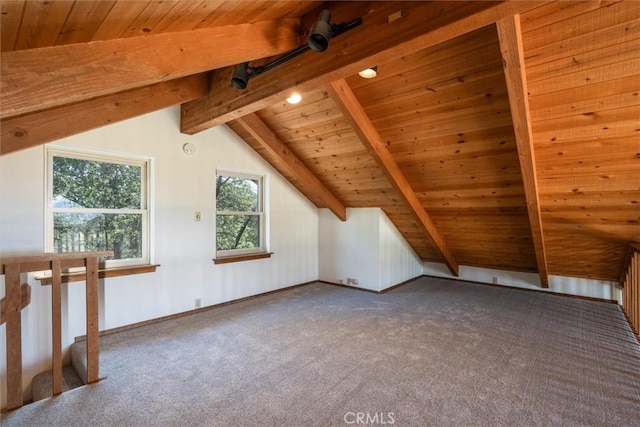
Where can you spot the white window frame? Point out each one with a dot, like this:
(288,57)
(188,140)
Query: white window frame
(95,155)
(260,212)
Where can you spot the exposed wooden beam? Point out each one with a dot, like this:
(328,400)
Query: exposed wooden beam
(514,70)
(388,32)
(37,128)
(345,99)
(37,79)
(261,132)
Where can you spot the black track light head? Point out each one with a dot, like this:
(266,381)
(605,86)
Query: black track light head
(240,78)
(320,34)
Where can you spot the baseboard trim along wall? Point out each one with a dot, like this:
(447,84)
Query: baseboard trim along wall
(518,288)
(222,304)
(190,312)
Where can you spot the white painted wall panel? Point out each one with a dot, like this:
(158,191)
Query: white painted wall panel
(184,248)
(350,249)
(560,284)
(398,261)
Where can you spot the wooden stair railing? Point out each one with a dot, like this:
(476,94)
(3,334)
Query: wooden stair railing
(12,267)
(630,283)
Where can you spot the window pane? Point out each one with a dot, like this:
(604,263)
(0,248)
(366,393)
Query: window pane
(237,194)
(78,232)
(80,183)
(238,232)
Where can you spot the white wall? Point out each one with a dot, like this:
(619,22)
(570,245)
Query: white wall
(398,262)
(366,247)
(560,284)
(184,248)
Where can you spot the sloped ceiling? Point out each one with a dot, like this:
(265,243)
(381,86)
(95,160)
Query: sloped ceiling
(499,135)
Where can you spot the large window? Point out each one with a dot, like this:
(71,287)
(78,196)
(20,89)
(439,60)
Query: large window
(239,214)
(96,203)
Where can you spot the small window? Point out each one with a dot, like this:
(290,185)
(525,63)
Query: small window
(239,215)
(97,203)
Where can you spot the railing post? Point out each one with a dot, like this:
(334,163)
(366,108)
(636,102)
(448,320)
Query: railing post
(56,325)
(14,335)
(93,345)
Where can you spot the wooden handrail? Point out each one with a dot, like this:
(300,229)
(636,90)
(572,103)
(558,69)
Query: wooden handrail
(12,267)
(630,283)
(80,276)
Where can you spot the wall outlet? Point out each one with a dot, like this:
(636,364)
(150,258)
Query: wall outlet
(495,280)
(198,302)
(196,216)
(352,281)
(340,281)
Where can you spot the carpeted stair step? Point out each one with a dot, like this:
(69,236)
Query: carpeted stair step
(79,359)
(41,386)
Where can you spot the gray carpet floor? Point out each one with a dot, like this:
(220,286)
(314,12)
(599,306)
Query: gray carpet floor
(433,352)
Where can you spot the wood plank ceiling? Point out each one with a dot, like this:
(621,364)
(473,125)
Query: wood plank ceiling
(431,140)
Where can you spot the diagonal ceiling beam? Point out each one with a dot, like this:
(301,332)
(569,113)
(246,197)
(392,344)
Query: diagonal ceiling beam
(37,128)
(38,79)
(390,31)
(347,102)
(514,71)
(261,132)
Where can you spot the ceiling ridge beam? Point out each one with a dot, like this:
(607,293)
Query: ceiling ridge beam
(390,31)
(37,79)
(40,127)
(347,102)
(510,36)
(270,142)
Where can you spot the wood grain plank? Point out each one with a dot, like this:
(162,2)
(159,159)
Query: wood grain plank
(189,18)
(627,51)
(624,69)
(554,12)
(145,22)
(600,39)
(49,125)
(384,42)
(10,20)
(122,14)
(84,20)
(34,80)
(613,95)
(583,23)
(41,23)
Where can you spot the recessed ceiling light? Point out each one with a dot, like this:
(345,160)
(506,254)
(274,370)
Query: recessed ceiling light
(294,98)
(369,73)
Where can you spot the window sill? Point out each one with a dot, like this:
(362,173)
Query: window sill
(80,276)
(239,258)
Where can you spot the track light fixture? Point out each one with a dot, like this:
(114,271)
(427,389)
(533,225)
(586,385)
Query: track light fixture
(321,32)
(319,37)
(240,78)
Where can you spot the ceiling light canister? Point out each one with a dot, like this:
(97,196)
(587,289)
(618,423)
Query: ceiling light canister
(369,73)
(294,98)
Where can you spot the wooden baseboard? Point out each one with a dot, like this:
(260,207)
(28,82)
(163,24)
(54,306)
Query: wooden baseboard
(190,312)
(341,285)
